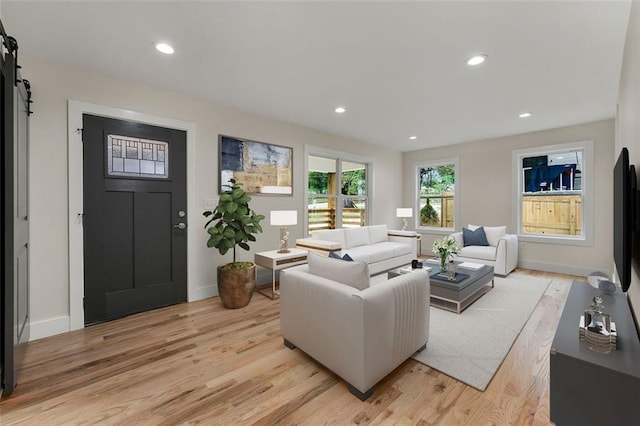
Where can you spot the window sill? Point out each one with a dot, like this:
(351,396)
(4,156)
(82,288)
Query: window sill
(555,239)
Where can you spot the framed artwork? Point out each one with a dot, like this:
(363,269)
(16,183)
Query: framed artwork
(261,168)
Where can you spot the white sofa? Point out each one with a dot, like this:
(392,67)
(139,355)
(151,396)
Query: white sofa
(501,253)
(378,247)
(361,335)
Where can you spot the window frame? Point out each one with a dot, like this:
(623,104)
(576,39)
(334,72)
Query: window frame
(456,196)
(587,189)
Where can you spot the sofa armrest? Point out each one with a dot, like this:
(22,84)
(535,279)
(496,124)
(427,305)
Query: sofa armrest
(506,254)
(406,237)
(318,245)
(396,323)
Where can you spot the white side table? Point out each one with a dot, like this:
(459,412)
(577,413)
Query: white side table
(277,261)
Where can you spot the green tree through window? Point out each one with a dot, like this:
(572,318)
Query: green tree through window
(436,195)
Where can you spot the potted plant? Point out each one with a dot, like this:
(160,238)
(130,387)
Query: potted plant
(235,225)
(444,248)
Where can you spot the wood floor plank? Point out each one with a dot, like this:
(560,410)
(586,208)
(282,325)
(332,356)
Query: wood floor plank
(199,363)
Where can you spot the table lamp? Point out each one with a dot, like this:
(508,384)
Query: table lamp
(404,213)
(283,218)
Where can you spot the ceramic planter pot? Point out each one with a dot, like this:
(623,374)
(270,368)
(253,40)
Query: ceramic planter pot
(235,286)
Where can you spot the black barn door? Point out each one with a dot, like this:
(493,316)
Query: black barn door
(14,308)
(135,241)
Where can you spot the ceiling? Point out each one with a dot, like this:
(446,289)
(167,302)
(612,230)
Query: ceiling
(398,67)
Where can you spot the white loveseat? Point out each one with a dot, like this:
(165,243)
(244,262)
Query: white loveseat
(501,253)
(361,335)
(375,245)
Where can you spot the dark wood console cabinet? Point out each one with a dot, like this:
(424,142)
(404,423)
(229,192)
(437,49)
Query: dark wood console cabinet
(586,387)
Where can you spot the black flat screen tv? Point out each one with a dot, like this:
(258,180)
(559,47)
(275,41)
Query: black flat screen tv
(624,195)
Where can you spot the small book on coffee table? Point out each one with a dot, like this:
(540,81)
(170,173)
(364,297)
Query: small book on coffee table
(444,276)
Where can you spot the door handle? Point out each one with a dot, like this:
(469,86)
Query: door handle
(180,225)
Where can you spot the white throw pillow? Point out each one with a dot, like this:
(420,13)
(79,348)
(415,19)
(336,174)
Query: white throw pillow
(354,274)
(493,233)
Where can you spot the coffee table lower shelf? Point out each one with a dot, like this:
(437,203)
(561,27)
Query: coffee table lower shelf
(459,306)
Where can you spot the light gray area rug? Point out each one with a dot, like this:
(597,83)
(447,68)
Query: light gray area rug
(471,346)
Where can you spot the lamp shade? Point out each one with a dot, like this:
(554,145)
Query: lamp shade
(284,217)
(404,212)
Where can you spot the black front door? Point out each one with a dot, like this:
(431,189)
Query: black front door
(135,205)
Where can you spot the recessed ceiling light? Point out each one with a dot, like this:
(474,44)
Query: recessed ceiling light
(413,138)
(525,115)
(340,110)
(477,60)
(164,48)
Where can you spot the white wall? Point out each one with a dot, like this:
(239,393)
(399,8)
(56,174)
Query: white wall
(485,186)
(54,84)
(628,126)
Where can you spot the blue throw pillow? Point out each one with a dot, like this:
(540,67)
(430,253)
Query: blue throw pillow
(474,238)
(337,256)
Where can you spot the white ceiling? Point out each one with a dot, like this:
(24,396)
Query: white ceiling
(398,67)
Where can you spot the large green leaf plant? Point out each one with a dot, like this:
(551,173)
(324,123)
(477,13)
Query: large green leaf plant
(235,223)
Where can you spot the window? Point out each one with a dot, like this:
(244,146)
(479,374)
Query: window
(135,157)
(437,195)
(337,193)
(553,191)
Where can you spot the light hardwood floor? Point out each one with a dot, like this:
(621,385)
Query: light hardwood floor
(201,363)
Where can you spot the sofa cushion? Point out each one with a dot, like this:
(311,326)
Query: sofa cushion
(354,274)
(476,237)
(346,257)
(479,252)
(378,234)
(355,237)
(493,233)
(336,235)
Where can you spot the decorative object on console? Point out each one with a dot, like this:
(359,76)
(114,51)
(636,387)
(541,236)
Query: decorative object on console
(235,225)
(602,282)
(404,213)
(445,248)
(596,328)
(284,218)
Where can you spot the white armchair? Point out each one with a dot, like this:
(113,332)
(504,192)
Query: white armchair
(360,335)
(501,253)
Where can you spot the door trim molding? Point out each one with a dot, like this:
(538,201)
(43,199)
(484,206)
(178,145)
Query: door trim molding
(76,245)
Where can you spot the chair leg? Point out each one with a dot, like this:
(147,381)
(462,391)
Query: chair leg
(289,344)
(422,348)
(362,396)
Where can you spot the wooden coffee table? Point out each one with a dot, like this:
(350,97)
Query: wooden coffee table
(456,297)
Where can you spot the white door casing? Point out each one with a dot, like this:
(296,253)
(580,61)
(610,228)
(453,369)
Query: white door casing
(76,245)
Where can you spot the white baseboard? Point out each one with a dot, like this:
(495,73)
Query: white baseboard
(205,292)
(58,325)
(560,269)
(48,327)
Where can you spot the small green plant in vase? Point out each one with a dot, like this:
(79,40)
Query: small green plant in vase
(445,248)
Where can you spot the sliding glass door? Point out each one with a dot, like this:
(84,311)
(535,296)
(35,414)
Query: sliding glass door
(337,193)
